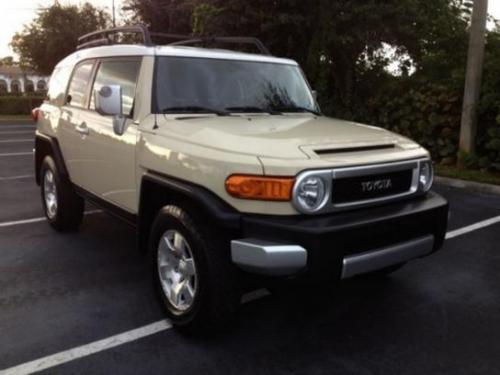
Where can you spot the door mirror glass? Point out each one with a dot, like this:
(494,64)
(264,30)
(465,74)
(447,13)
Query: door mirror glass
(108,100)
(315,95)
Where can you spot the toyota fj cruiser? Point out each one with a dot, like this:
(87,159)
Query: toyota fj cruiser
(224,163)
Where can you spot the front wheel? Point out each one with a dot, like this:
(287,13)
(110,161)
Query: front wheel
(62,206)
(193,273)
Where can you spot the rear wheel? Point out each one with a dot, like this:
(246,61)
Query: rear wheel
(193,273)
(62,206)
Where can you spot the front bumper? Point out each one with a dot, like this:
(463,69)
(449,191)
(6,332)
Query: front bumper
(342,245)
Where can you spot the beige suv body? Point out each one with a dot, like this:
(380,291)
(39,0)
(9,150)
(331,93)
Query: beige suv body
(288,191)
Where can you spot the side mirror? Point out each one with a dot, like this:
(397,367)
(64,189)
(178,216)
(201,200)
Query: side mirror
(315,95)
(108,102)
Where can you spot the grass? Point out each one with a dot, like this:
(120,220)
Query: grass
(468,174)
(15,118)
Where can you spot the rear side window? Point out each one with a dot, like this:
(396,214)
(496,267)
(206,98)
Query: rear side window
(57,85)
(78,87)
(118,72)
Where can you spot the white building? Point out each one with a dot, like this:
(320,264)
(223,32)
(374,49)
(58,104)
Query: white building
(14,79)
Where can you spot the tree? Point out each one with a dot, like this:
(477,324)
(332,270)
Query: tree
(53,34)
(339,43)
(171,16)
(342,46)
(7,61)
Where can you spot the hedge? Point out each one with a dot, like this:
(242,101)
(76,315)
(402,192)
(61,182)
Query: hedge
(19,105)
(429,113)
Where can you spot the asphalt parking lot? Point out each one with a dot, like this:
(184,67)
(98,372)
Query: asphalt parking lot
(82,303)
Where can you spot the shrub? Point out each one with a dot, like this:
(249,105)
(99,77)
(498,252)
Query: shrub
(428,113)
(19,105)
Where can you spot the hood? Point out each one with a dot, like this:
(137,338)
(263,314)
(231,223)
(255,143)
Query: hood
(299,136)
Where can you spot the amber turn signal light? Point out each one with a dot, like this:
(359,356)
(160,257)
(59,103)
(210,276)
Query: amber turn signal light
(260,187)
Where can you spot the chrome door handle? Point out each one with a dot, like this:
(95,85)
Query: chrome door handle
(82,128)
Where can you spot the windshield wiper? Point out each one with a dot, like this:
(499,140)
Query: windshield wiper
(297,109)
(251,109)
(194,109)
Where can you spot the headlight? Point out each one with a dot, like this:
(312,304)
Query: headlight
(426,176)
(310,193)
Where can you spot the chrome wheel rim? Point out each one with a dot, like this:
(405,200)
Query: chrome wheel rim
(50,193)
(177,270)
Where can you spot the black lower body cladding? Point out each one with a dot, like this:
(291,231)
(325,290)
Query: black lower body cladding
(328,239)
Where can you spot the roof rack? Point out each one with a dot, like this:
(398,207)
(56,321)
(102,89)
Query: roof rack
(108,37)
(225,39)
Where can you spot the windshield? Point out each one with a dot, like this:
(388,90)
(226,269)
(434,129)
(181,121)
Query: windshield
(186,84)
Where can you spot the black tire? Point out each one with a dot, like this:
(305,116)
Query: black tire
(217,298)
(69,210)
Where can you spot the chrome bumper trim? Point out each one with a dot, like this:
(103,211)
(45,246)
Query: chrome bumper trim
(268,258)
(385,257)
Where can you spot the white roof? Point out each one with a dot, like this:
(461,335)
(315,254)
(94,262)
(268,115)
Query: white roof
(180,51)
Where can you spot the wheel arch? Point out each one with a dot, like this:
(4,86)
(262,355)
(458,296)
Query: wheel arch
(45,146)
(159,190)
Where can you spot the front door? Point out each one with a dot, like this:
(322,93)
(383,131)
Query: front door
(71,131)
(108,159)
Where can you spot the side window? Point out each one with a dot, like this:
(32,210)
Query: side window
(118,72)
(77,92)
(57,85)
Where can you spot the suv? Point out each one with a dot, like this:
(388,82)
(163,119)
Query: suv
(226,167)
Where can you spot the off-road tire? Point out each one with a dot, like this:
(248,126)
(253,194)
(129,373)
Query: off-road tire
(69,212)
(216,302)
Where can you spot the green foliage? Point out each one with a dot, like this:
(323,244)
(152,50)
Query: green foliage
(342,47)
(7,61)
(172,16)
(19,105)
(428,112)
(53,34)
(202,15)
(467,160)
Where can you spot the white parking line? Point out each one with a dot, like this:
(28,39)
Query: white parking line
(16,177)
(159,326)
(15,140)
(107,343)
(36,220)
(473,227)
(86,350)
(17,154)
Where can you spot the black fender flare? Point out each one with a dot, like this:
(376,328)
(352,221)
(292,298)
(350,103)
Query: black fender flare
(158,190)
(46,145)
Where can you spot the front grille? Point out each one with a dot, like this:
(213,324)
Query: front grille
(362,188)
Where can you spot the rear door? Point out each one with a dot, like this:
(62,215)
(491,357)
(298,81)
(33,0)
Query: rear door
(71,130)
(107,159)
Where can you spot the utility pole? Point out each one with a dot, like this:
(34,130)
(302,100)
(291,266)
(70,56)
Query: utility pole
(113,7)
(473,77)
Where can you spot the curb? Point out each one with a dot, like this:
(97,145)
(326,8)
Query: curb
(474,187)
